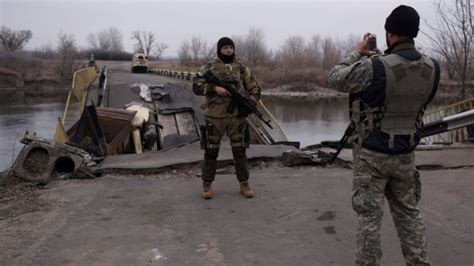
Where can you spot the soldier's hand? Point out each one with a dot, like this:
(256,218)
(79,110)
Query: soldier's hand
(221,91)
(253,102)
(363,46)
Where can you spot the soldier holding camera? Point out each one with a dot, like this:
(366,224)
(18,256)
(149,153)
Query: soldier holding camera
(388,94)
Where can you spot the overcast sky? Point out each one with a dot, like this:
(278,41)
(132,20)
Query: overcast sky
(176,21)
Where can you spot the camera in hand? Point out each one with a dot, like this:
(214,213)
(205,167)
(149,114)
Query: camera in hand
(372,42)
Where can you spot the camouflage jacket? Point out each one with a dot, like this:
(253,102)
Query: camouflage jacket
(235,73)
(353,74)
(365,79)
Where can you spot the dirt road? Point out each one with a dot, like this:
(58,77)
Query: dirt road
(300,216)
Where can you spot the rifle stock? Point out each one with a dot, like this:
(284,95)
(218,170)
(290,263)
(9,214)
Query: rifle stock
(347,133)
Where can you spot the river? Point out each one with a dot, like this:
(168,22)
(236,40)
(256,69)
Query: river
(16,119)
(309,122)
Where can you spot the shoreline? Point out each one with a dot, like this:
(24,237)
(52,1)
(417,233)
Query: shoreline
(48,89)
(33,90)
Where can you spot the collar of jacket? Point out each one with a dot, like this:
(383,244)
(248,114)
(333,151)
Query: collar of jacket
(235,60)
(401,45)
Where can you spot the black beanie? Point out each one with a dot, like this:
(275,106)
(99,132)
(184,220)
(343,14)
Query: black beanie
(221,43)
(403,20)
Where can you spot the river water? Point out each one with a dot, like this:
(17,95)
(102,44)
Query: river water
(309,122)
(16,119)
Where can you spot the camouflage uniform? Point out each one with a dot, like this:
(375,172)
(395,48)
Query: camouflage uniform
(380,171)
(222,116)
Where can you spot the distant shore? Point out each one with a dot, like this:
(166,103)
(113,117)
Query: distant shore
(302,92)
(34,89)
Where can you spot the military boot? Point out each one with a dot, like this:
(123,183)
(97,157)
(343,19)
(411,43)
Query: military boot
(245,189)
(207,190)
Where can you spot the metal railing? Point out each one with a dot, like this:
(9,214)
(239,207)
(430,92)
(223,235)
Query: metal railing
(81,81)
(184,75)
(457,135)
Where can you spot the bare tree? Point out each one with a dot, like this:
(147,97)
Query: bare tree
(194,52)
(184,54)
(14,40)
(159,49)
(252,47)
(115,37)
(348,44)
(108,39)
(103,40)
(147,43)
(46,51)
(331,53)
(453,39)
(92,41)
(293,53)
(67,53)
(314,51)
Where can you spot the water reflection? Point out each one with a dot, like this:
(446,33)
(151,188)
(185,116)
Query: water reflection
(311,121)
(16,119)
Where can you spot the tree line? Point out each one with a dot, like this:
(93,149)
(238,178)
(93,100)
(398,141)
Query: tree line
(63,58)
(296,60)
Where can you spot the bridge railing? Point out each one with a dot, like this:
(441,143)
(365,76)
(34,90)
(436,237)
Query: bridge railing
(184,75)
(76,100)
(457,135)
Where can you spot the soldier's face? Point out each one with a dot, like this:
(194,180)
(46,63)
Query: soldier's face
(227,50)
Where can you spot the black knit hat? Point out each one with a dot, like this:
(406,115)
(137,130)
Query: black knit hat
(221,43)
(403,20)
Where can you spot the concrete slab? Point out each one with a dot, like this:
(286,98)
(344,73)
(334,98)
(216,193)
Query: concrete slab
(185,155)
(426,159)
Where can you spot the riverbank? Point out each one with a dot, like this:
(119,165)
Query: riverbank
(41,89)
(302,92)
(311,92)
(12,88)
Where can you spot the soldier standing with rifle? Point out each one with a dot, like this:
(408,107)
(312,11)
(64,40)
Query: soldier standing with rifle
(389,94)
(223,116)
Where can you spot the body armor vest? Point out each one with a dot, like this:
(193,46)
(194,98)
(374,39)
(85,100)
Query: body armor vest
(408,87)
(230,73)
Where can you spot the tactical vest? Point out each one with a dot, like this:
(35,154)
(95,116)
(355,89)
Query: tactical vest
(408,87)
(232,73)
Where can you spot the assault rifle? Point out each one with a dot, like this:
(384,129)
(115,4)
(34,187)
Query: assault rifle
(347,133)
(244,106)
(446,124)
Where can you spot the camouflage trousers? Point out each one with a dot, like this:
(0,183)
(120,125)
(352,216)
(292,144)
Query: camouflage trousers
(378,176)
(236,129)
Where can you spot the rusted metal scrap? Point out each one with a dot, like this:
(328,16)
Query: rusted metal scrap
(42,160)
